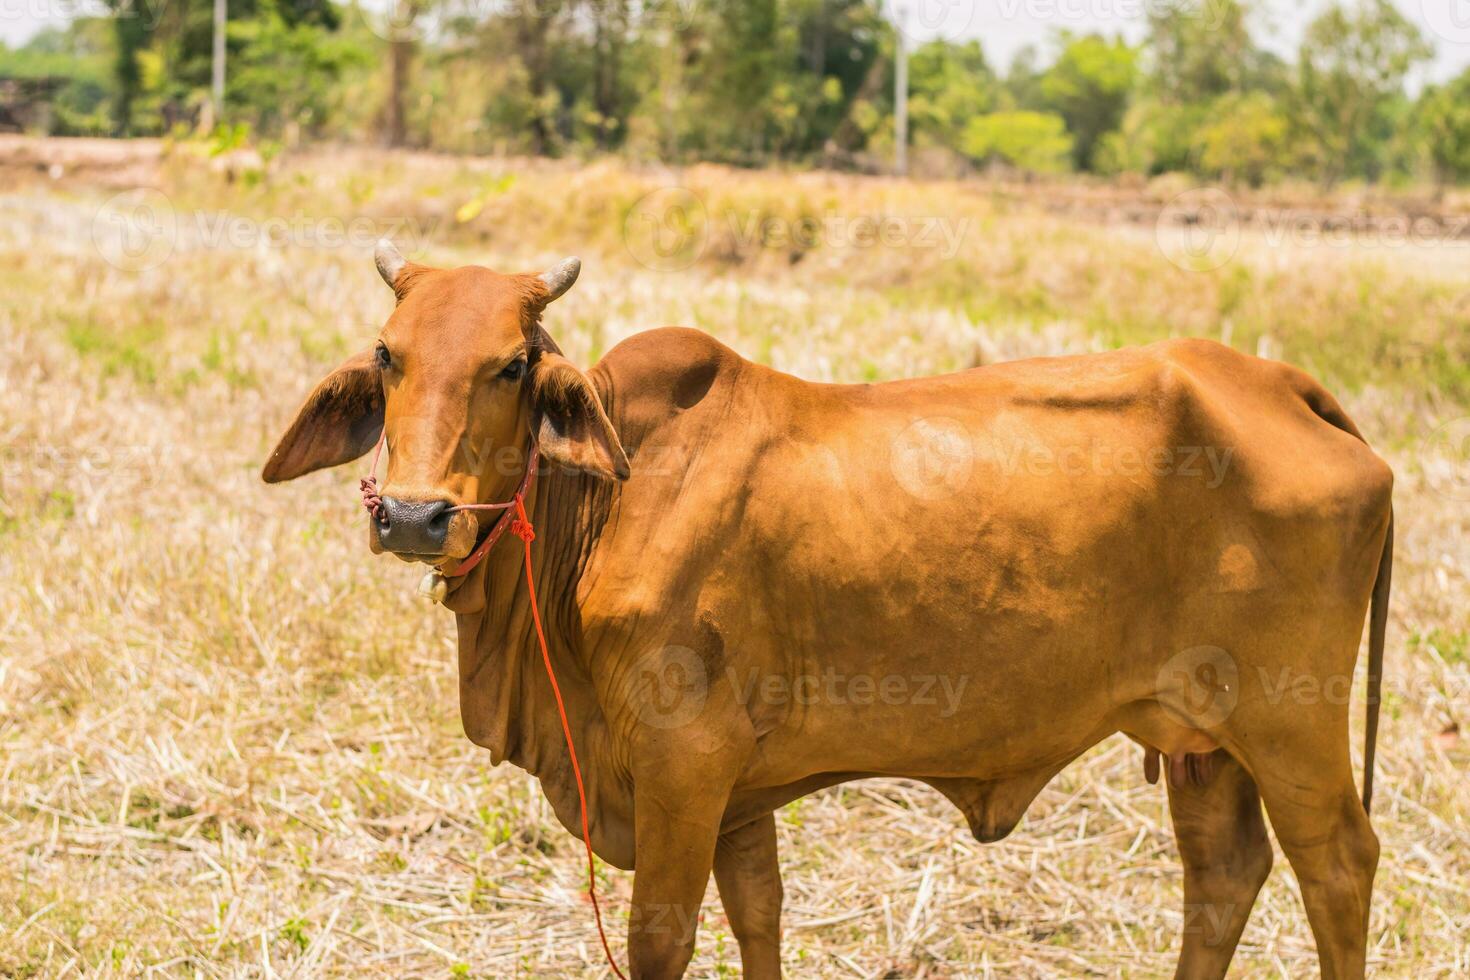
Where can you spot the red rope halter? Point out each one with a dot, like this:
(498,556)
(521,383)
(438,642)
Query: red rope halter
(520,525)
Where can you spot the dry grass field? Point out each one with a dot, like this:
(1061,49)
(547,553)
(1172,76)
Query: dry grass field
(229,737)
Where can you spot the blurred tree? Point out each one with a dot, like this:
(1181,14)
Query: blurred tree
(1033,141)
(132,30)
(81,55)
(1089,87)
(1022,89)
(1350,73)
(610,97)
(1244,138)
(1442,124)
(1154,137)
(402,23)
(750,81)
(283,76)
(1198,52)
(949,85)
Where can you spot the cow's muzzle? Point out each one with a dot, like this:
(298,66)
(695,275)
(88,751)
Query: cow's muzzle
(413,528)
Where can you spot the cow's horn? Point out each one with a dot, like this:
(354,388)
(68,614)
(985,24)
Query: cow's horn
(389,260)
(559,278)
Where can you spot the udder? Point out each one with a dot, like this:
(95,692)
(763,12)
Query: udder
(1187,753)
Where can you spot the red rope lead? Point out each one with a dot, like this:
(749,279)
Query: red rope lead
(371,499)
(523,529)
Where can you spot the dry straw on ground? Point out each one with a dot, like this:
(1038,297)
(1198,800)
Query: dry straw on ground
(229,741)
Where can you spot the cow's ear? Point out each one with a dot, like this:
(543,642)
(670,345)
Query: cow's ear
(340,421)
(571,426)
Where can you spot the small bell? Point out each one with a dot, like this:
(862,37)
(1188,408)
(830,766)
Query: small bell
(434,586)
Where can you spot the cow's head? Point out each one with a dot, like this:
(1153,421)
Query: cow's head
(461,375)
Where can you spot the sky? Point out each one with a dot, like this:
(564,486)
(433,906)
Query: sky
(1005,26)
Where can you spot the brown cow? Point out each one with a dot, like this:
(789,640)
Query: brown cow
(755,587)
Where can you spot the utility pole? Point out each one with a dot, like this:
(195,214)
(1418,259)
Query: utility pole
(900,93)
(217,75)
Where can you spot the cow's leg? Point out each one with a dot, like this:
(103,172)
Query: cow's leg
(1227,856)
(1306,781)
(1334,852)
(749,876)
(678,805)
(675,853)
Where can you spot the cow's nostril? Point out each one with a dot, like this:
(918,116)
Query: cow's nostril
(414,526)
(438,518)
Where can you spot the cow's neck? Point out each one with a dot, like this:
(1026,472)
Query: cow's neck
(505,698)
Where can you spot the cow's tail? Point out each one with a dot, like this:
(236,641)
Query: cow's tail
(1331,412)
(1377,627)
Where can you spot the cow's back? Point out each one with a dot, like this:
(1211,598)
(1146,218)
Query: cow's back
(975,529)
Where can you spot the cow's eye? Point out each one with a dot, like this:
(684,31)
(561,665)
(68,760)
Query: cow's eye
(514,370)
(385,359)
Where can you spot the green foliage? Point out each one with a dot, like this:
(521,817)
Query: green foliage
(1350,74)
(1199,52)
(1154,137)
(78,60)
(1442,126)
(751,81)
(1089,87)
(282,74)
(1244,138)
(949,85)
(1034,141)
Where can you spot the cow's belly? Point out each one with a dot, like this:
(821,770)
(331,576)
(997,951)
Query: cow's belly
(997,699)
(1005,633)
(982,706)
